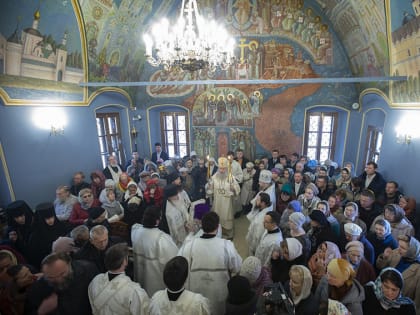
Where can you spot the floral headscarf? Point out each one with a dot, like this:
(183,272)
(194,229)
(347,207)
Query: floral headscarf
(385,302)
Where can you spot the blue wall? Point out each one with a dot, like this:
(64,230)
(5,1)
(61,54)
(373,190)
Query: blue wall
(38,162)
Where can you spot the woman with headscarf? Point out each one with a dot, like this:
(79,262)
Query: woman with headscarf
(339,284)
(289,254)
(19,225)
(80,214)
(409,206)
(319,261)
(114,209)
(406,259)
(284,197)
(259,276)
(382,238)
(153,195)
(299,288)
(308,200)
(355,256)
(47,228)
(384,296)
(395,215)
(325,208)
(123,183)
(98,183)
(344,181)
(351,215)
(320,230)
(133,192)
(296,221)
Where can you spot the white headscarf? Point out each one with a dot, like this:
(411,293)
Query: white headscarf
(294,247)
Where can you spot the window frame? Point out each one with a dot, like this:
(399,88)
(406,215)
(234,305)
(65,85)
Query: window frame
(372,152)
(333,138)
(108,134)
(164,136)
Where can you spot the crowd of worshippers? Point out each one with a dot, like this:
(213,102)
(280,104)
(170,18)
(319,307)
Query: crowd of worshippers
(155,237)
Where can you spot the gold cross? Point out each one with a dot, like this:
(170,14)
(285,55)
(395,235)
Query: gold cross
(243,45)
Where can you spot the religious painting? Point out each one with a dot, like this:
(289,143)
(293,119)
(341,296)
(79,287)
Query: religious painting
(204,141)
(404,34)
(223,107)
(362,29)
(41,52)
(243,139)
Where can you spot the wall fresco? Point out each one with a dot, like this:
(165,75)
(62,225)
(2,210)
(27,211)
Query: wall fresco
(41,54)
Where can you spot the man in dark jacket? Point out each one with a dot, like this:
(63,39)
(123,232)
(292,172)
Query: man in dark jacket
(64,287)
(373,180)
(94,250)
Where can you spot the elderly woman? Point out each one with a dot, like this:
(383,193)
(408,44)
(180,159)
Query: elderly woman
(299,288)
(382,238)
(259,276)
(406,259)
(132,192)
(114,209)
(384,296)
(80,214)
(395,215)
(319,261)
(281,261)
(364,270)
(353,232)
(340,284)
(122,185)
(309,199)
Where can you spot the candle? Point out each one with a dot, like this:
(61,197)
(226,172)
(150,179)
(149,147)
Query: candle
(208,166)
(230,169)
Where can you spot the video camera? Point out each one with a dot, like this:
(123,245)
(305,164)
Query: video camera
(275,301)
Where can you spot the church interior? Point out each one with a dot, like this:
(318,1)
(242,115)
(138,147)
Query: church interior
(351,64)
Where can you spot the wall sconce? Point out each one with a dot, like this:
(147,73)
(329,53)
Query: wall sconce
(52,119)
(56,130)
(404,138)
(407,129)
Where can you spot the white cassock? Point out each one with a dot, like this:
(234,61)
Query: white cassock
(188,303)
(271,191)
(177,218)
(256,229)
(212,261)
(238,175)
(223,191)
(152,249)
(268,242)
(119,296)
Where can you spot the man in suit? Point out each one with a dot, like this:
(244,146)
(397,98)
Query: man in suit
(159,156)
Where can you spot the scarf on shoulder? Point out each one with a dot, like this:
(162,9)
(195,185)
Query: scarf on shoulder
(385,302)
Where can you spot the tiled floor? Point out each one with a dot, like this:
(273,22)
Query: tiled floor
(241,228)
